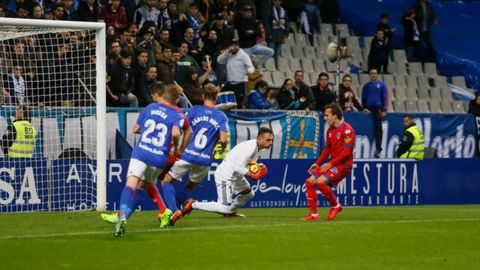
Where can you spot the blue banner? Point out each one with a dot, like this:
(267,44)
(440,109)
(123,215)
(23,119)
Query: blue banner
(371,183)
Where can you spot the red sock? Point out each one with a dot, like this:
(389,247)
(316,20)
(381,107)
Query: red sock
(153,193)
(311,197)
(328,194)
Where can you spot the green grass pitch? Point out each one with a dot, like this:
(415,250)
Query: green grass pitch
(414,237)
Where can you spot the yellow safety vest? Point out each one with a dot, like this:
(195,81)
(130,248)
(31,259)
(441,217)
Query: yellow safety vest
(24,143)
(216,151)
(417,150)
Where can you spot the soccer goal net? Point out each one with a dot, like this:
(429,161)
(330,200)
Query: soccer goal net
(52,115)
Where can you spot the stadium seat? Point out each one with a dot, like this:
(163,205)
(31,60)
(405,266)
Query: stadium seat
(390,106)
(400,68)
(423,106)
(341,27)
(423,94)
(364,78)
(411,106)
(326,29)
(355,81)
(415,68)
(283,64)
(458,106)
(430,69)
(307,64)
(423,81)
(466,106)
(400,81)
(297,52)
(391,95)
(319,65)
(353,43)
(446,106)
(400,56)
(399,105)
(277,78)
(301,40)
(310,78)
(286,51)
(400,93)
(321,41)
(412,81)
(270,65)
(290,40)
(446,93)
(412,93)
(367,41)
(440,81)
(435,106)
(435,94)
(309,52)
(459,81)
(389,80)
(267,77)
(294,27)
(290,74)
(294,64)
(320,52)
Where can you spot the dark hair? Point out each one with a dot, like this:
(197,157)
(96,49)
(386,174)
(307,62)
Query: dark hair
(166,48)
(408,116)
(158,88)
(126,54)
(285,82)
(370,69)
(409,12)
(141,50)
(297,71)
(335,109)
(346,76)
(261,83)
(323,74)
(264,130)
(383,15)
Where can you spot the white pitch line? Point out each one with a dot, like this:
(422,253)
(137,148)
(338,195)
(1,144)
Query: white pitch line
(246,226)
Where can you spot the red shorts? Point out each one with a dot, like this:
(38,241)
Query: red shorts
(334,175)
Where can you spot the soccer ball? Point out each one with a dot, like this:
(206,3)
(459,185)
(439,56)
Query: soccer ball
(253,168)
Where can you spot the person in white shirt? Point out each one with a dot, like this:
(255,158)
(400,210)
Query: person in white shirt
(233,189)
(239,65)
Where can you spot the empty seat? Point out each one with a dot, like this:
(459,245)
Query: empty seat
(415,68)
(309,52)
(326,29)
(423,93)
(367,41)
(290,40)
(319,65)
(294,27)
(301,40)
(459,81)
(400,81)
(283,64)
(435,106)
(297,52)
(400,68)
(364,78)
(295,64)
(307,64)
(353,43)
(321,41)
(412,93)
(458,106)
(412,81)
(267,77)
(289,74)
(285,51)
(341,27)
(389,80)
(423,106)
(435,94)
(400,93)
(446,93)
(391,95)
(310,78)
(440,81)
(446,106)
(277,78)
(399,105)
(430,68)
(411,106)
(320,52)
(399,56)
(423,82)
(390,106)
(270,65)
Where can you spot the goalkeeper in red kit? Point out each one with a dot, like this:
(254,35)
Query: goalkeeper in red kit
(340,142)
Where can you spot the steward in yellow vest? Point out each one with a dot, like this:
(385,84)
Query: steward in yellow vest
(19,140)
(412,145)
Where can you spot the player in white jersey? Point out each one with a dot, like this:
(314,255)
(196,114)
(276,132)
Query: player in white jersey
(233,189)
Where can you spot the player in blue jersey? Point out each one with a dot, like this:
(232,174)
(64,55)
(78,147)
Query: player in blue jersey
(159,124)
(209,125)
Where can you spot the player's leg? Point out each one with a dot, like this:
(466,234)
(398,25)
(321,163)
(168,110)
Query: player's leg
(243,193)
(151,174)
(178,170)
(197,175)
(328,179)
(224,201)
(311,194)
(113,217)
(126,205)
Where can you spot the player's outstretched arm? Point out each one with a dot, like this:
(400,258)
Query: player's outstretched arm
(186,139)
(223,140)
(175,139)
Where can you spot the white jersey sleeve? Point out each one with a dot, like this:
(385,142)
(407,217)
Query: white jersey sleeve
(239,156)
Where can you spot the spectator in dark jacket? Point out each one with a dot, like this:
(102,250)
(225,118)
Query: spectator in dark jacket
(378,55)
(140,77)
(121,86)
(347,99)
(248,32)
(191,87)
(474,106)
(411,35)
(303,91)
(322,92)
(258,97)
(166,67)
(277,27)
(89,11)
(286,97)
(329,11)
(425,18)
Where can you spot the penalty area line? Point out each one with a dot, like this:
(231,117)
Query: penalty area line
(244,226)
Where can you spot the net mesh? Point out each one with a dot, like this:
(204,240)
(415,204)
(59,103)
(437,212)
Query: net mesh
(48,74)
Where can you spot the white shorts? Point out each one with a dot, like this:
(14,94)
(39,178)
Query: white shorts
(228,188)
(143,171)
(181,168)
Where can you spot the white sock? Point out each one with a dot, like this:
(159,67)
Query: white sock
(241,200)
(212,207)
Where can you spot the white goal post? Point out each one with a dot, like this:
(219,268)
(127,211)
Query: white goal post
(58,70)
